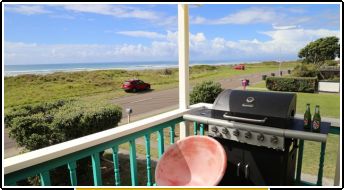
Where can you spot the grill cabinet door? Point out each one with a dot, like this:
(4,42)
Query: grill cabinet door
(235,161)
(265,166)
(271,167)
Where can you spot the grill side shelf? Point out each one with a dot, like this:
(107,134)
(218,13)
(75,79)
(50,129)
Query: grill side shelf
(296,131)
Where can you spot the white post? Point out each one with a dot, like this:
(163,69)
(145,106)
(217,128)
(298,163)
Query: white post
(183,52)
(183,49)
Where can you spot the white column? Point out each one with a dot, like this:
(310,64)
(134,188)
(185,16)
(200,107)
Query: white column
(183,52)
(183,49)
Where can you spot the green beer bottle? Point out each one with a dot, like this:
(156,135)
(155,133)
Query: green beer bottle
(316,120)
(307,119)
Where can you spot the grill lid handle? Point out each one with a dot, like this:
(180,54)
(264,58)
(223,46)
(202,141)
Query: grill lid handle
(245,119)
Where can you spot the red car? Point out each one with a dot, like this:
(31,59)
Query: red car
(135,85)
(239,67)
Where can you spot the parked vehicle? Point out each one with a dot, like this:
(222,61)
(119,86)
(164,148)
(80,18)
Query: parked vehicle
(135,85)
(239,67)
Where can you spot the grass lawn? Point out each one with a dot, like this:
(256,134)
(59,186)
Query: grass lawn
(106,84)
(329,102)
(329,107)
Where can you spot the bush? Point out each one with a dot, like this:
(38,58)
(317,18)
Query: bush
(334,79)
(331,63)
(264,77)
(37,126)
(202,68)
(206,92)
(292,84)
(305,70)
(270,63)
(166,71)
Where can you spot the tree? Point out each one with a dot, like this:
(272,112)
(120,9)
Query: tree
(319,51)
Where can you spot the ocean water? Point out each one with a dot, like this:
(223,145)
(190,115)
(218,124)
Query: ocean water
(13,70)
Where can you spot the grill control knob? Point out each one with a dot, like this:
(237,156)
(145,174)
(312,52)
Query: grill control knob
(224,131)
(214,129)
(236,132)
(260,137)
(248,135)
(274,140)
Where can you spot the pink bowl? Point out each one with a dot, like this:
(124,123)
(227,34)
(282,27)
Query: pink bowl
(193,161)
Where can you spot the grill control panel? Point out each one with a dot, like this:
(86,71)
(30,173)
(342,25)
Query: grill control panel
(245,136)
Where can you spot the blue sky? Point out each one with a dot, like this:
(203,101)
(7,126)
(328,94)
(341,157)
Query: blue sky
(74,33)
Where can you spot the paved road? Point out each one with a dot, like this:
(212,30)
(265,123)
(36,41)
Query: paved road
(146,104)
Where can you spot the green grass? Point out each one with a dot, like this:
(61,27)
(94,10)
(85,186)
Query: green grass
(329,102)
(311,157)
(329,107)
(105,84)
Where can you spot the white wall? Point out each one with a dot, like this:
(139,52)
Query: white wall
(329,86)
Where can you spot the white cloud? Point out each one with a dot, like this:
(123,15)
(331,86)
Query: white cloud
(251,15)
(144,34)
(283,44)
(21,53)
(197,38)
(246,16)
(278,16)
(284,27)
(300,35)
(197,20)
(27,9)
(113,10)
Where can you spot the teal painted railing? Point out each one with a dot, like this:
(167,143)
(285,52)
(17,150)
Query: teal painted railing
(43,169)
(200,127)
(298,181)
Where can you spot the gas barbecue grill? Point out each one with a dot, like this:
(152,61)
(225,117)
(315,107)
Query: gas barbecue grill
(259,134)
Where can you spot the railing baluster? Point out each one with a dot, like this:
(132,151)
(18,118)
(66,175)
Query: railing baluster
(184,130)
(148,160)
(160,142)
(201,130)
(116,165)
(45,178)
(97,178)
(321,163)
(195,128)
(337,172)
(133,165)
(72,173)
(299,161)
(172,134)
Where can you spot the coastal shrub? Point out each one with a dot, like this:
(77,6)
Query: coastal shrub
(334,79)
(37,126)
(305,70)
(166,71)
(270,63)
(202,68)
(331,63)
(205,92)
(32,109)
(292,84)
